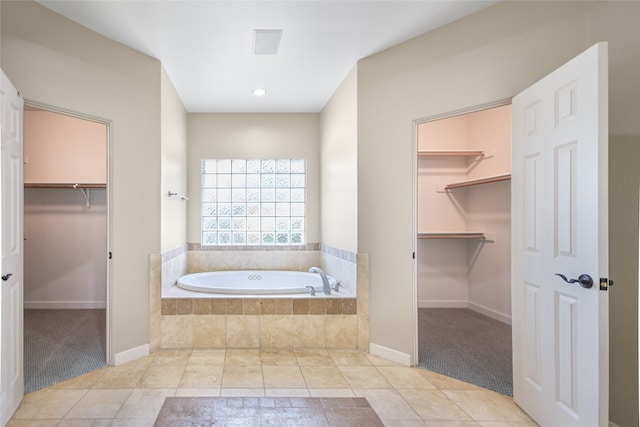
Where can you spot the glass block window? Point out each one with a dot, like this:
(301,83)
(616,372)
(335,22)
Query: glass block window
(253,201)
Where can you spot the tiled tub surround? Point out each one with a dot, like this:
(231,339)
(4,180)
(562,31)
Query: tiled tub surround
(200,320)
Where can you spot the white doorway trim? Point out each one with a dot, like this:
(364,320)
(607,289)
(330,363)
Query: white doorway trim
(108,124)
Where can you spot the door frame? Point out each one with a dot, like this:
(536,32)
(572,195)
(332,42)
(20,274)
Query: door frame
(108,123)
(415,160)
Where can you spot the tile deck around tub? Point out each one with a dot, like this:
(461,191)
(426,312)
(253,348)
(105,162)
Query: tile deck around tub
(267,411)
(257,306)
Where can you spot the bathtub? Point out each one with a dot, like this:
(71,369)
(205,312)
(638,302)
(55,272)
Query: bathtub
(256,283)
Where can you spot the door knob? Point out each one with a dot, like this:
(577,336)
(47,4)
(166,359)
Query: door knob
(6,277)
(583,280)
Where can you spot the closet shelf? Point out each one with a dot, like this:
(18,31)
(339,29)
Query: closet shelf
(486,180)
(452,235)
(62,185)
(450,153)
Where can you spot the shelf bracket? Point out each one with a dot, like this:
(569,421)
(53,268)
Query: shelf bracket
(86,194)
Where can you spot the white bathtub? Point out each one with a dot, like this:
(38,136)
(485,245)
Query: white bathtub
(256,282)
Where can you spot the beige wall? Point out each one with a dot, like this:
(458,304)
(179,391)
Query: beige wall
(489,56)
(55,62)
(173,122)
(257,136)
(339,170)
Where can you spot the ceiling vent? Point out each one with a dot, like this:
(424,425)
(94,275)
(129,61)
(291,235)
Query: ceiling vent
(266,42)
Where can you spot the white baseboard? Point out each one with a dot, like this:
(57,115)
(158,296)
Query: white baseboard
(131,354)
(466,304)
(391,354)
(64,304)
(425,303)
(490,313)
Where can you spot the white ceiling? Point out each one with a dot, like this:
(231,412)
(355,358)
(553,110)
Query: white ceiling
(206,46)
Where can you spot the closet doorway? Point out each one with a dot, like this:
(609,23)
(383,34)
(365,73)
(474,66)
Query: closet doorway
(66,217)
(463,246)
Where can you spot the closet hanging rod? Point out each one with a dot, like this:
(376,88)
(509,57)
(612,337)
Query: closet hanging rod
(61,185)
(182,196)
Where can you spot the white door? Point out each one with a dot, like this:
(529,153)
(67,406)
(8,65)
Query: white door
(560,226)
(11,192)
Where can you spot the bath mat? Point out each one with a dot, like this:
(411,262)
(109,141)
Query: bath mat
(267,411)
(466,345)
(62,344)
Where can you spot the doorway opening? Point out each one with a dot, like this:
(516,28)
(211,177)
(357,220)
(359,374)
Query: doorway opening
(463,246)
(66,240)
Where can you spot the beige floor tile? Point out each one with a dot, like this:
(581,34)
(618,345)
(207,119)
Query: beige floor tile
(349,358)
(403,377)
(442,382)
(207,357)
(286,392)
(433,405)
(82,382)
(364,377)
(487,405)
(33,423)
(242,392)
(242,377)
(161,376)
(48,403)
(171,357)
(313,357)
(283,377)
(104,403)
(85,422)
(242,357)
(323,377)
(144,403)
(451,424)
(133,423)
(388,404)
(403,423)
(402,397)
(331,392)
(380,361)
(143,361)
(202,377)
(198,392)
(507,424)
(121,377)
(278,357)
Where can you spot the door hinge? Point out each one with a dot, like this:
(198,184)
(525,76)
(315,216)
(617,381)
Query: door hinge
(414,255)
(110,255)
(605,283)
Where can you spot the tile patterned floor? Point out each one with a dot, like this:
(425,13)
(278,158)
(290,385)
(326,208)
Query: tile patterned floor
(132,395)
(268,412)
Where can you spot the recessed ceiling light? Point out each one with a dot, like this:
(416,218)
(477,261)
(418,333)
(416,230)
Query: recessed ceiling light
(259,92)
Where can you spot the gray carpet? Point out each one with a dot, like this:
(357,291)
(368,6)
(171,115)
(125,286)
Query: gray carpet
(62,344)
(468,346)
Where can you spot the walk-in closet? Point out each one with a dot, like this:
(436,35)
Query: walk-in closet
(463,246)
(65,246)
